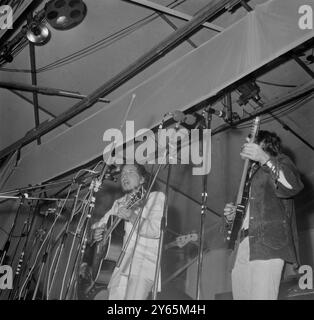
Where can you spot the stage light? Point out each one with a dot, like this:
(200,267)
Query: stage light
(65,14)
(38,33)
(249,90)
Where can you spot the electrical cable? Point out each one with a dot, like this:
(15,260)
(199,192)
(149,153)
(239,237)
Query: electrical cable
(276,84)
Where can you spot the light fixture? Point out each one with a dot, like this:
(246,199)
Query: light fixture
(249,90)
(65,14)
(38,33)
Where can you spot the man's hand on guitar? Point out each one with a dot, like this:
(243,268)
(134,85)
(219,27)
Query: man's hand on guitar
(98,233)
(254,152)
(229,211)
(126,214)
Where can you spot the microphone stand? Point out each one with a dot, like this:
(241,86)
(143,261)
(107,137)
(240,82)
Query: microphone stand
(208,118)
(163,226)
(64,238)
(27,281)
(94,187)
(21,264)
(72,285)
(30,276)
(24,232)
(8,242)
(85,218)
(20,261)
(43,263)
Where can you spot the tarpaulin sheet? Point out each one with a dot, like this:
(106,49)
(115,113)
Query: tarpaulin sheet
(262,35)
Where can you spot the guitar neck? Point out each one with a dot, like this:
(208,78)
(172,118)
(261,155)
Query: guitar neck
(246,167)
(242,196)
(181,241)
(111,228)
(170,245)
(248,162)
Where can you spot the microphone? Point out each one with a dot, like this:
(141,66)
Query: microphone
(218,113)
(177,116)
(190,119)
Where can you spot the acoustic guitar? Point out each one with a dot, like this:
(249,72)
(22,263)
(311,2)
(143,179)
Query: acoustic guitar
(105,253)
(98,290)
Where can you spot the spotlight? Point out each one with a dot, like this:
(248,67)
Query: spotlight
(38,33)
(65,14)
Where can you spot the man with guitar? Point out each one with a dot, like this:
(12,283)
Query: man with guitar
(268,235)
(134,277)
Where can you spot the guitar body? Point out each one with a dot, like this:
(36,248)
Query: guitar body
(239,216)
(243,196)
(107,251)
(100,261)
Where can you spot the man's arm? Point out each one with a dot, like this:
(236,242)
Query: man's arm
(285,176)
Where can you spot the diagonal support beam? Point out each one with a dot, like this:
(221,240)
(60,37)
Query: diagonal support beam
(246,6)
(174,13)
(157,52)
(40,107)
(45,90)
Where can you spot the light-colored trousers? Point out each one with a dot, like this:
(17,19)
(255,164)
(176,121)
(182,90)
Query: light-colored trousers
(136,289)
(255,280)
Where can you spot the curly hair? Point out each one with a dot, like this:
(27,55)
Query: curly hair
(271,142)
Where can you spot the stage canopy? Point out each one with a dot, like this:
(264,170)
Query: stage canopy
(244,58)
